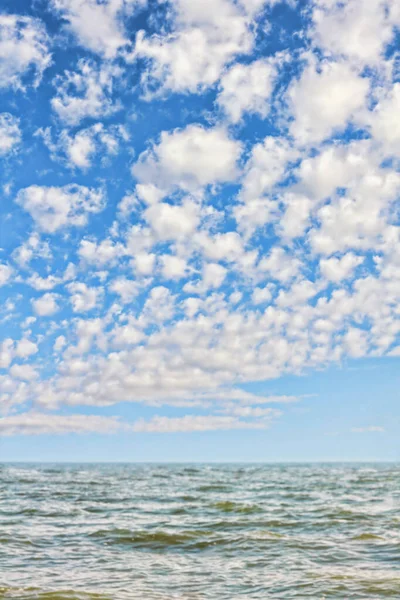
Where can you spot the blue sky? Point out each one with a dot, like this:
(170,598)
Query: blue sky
(199,230)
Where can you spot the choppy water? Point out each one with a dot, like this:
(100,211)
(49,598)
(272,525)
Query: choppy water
(87,532)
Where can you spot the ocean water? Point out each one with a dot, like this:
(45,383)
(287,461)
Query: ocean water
(86,532)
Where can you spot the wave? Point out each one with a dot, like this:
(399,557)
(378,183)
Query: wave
(233,507)
(34,593)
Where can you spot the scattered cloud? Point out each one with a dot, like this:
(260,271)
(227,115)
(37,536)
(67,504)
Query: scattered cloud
(53,208)
(24,50)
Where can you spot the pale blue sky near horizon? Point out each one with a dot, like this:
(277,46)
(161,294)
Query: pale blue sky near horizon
(318,428)
(199,230)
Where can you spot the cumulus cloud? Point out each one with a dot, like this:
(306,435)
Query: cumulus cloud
(370,429)
(235,254)
(25,348)
(247,89)
(325,100)
(24,50)
(85,92)
(195,423)
(46,305)
(5,274)
(342,29)
(53,208)
(98,26)
(79,150)
(36,423)
(10,133)
(208,34)
(83,298)
(173,221)
(190,158)
(336,269)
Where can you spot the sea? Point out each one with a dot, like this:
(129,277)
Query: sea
(201,531)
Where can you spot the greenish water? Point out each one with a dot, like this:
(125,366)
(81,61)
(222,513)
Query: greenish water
(124,532)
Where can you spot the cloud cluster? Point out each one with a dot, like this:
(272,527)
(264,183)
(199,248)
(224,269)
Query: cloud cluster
(199,209)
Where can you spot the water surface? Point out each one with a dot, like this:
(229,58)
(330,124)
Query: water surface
(127,532)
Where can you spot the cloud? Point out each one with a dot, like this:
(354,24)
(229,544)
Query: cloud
(371,429)
(207,35)
(24,50)
(83,298)
(53,208)
(237,253)
(342,29)
(84,93)
(36,423)
(24,372)
(383,121)
(100,254)
(5,274)
(25,348)
(46,305)
(34,247)
(99,27)
(247,89)
(126,289)
(337,269)
(10,133)
(189,158)
(173,267)
(172,221)
(190,423)
(324,100)
(79,150)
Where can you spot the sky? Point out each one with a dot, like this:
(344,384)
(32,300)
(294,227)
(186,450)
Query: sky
(199,230)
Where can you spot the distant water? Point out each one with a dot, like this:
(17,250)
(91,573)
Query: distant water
(85,532)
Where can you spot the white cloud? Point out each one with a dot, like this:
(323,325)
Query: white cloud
(24,50)
(46,305)
(370,429)
(43,283)
(98,26)
(356,342)
(171,222)
(222,246)
(195,423)
(324,100)
(173,267)
(261,295)
(86,92)
(213,276)
(207,34)
(83,298)
(336,166)
(79,150)
(35,423)
(60,343)
(247,88)
(190,158)
(5,274)
(144,263)
(100,254)
(24,372)
(10,133)
(53,208)
(337,269)
(126,289)
(342,28)
(384,121)
(280,265)
(34,247)
(25,348)
(6,353)
(266,167)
